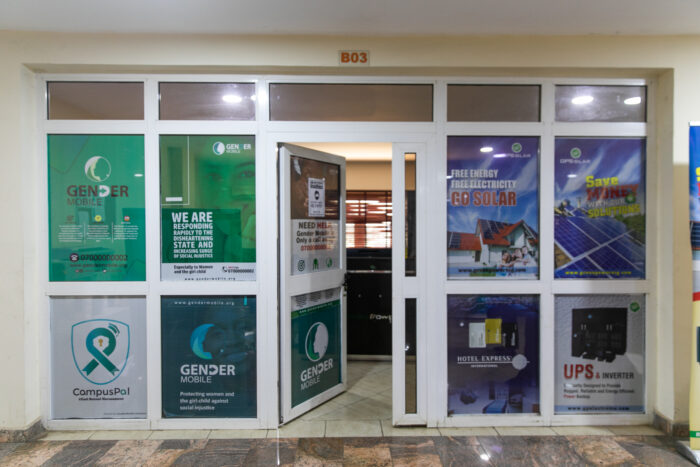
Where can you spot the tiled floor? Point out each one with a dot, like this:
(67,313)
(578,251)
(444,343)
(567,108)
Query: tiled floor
(352,429)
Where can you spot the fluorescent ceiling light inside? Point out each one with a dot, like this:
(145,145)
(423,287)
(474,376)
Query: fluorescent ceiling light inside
(486,149)
(571,175)
(499,155)
(633,100)
(582,100)
(138,175)
(231,99)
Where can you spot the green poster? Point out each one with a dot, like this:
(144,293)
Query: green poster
(97,220)
(207,186)
(316,346)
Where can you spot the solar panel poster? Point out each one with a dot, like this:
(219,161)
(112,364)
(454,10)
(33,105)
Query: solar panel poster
(492,207)
(599,213)
(599,352)
(493,354)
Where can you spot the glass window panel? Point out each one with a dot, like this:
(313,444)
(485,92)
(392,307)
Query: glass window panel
(410,208)
(368,219)
(493,103)
(410,377)
(207,101)
(493,354)
(600,103)
(95,101)
(352,102)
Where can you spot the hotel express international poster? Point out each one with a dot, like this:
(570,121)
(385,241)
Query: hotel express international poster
(492,207)
(207,207)
(97,222)
(599,211)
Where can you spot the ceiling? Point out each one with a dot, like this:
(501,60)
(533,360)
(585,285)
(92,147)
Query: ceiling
(356,17)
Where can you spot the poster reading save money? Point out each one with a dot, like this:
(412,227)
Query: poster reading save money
(493,354)
(316,345)
(315,215)
(492,207)
(599,342)
(97,222)
(207,188)
(209,357)
(599,210)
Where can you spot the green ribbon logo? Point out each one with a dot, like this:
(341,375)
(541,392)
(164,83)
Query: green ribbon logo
(100,354)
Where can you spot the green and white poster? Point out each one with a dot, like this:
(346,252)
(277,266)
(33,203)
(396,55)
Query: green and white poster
(207,186)
(316,346)
(96,208)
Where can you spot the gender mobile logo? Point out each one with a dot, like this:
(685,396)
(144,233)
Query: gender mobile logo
(316,342)
(100,349)
(219,148)
(197,339)
(98,169)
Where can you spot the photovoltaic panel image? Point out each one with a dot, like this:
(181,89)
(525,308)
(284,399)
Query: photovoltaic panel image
(599,218)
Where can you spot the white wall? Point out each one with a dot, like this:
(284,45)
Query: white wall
(673,62)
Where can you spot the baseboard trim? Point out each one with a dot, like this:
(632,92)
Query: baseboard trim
(677,430)
(33,432)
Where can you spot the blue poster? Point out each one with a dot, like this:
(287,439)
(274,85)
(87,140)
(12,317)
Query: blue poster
(493,354)
(492,207)
(599,211)
(694,165)
(209,357)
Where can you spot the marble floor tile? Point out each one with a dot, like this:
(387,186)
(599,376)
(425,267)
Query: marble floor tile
(643,430)
(214,453)
(365,409)
(237,434)
(356,456)
(343,428)
(182,444)
(67,435)
(7,448)
(413,451)
(524,431)
(653,455)
(164,458)
(468,431)
(120,434)
(459,451)
(271,452)
(179,434)
(326,452)
(33,454)
(80,453)
(389,430)
(300,429)
(129,453)
(582,431)
(530,450)
(601,450)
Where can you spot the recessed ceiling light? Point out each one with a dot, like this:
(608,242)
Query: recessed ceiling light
(231,99)
(633,100)
(571,175)
(582,100)
(499,155)
(486,149)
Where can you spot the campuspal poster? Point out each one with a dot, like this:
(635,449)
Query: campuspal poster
(493,354)
(315,215)
(98,357)
(209,357)
(316,346)
(599,210)
(207,207)
(599,342)
(97,225)
(492,207)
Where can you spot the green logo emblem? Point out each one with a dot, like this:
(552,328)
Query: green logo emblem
(316,342)
(575,153)
(100,349)
(629,199)
(634,306)
(517,147)
(97,169)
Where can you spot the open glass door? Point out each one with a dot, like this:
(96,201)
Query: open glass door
(313,351)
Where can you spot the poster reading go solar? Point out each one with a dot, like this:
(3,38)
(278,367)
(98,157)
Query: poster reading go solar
(492,207)
(207,188)
(97,222)
(599,211)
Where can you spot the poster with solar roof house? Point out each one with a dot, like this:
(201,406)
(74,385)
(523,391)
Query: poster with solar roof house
(599,212)
(492,207)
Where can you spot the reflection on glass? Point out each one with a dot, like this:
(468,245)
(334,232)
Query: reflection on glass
(207,101)
(410,207)
(351,102)
(600,103)
(493,103)
(410,377)
(95,101)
